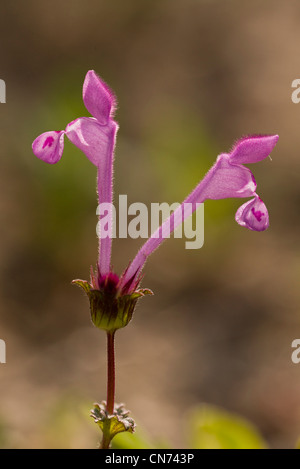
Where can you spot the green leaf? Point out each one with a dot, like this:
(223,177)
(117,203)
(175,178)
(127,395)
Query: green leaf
(214,428)
(113,424)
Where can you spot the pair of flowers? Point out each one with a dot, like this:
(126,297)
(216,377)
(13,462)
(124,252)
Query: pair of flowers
(96,137)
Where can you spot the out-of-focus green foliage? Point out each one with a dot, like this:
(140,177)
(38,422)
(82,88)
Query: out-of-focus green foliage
(181,151)
(214,428)
(136,440)
(209,427)
(65,199)
(3,435)
(68,426)
(179,147)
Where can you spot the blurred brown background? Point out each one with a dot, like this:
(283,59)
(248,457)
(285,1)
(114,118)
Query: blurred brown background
(191,76)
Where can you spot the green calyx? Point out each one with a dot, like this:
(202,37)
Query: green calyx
(109,309)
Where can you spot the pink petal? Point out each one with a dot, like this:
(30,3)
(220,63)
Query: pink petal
(253,215)
(95,140)
(98,98)
(252,149)
(223,181)
(49,146)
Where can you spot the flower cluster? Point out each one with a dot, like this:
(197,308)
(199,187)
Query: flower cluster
(112,298)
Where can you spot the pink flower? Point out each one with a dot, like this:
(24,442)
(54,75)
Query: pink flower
(227,178)
(96,137)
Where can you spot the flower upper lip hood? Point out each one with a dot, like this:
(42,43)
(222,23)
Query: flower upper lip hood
(96,137)
(252,149)
(98,98)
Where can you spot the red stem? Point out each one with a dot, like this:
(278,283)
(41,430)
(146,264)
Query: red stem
(110,401)
(110,372)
